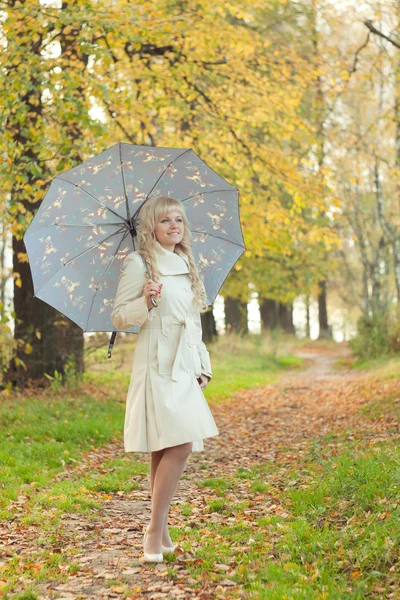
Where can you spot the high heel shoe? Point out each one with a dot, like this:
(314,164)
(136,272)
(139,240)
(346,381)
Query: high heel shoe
(166,549)
(151,557)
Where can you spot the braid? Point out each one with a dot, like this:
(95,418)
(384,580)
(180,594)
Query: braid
(199,292)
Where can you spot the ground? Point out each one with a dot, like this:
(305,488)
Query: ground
(272,425)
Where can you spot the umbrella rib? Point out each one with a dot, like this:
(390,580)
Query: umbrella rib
(75,225)
(105,273)
(204,193)
(94,246)
(123,181)
(218,237)
(75,257)
(158,180)
(95,199)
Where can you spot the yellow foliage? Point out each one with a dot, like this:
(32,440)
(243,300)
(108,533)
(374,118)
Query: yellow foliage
(209,76)
(17,279)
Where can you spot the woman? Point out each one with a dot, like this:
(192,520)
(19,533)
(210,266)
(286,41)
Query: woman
(166,411)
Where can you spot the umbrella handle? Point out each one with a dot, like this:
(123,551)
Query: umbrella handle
(111,344)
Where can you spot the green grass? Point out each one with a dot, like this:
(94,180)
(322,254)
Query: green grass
(242,372)
(387,407)
(346,523)
(40,437)
(243,363)
(339,539)
(386,366)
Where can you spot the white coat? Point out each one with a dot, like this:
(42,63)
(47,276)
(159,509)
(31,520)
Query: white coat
(165,405)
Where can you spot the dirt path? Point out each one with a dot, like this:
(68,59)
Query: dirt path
(256,426)
(320,363)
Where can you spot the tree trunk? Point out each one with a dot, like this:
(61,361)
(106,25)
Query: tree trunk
(269,313)
(3,276)
(308,324)
(286,318)
(325,331)
(235,315)
(320,119)
(391,234)
(391,231)
(54,338)
(45,338)
(209,326)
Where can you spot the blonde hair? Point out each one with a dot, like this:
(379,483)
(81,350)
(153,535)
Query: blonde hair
(150,213)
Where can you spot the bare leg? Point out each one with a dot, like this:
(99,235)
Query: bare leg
(166,479)
(155,461)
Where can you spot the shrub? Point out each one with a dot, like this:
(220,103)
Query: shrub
(377,334)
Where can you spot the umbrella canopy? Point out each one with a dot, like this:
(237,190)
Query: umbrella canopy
(86,226)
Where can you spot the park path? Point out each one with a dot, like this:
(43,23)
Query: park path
(256,426)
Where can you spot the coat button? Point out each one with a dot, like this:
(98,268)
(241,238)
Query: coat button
(190,372)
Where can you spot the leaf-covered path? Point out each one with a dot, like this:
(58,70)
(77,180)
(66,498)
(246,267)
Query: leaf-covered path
(272,424)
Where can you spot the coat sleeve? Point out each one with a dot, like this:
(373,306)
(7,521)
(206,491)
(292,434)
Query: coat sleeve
(204,354)
(130,307)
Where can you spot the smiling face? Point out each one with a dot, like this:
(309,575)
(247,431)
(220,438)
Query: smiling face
(169,229)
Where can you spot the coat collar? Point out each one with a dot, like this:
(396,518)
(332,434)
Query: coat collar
(170,263)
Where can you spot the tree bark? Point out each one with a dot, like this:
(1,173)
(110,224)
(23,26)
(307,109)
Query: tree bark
(235,315)
(269,313)
(3,277)
(209,326)
(286,318)
(391,234)
(308,323)
(320,118)
(54,338)
(325,332)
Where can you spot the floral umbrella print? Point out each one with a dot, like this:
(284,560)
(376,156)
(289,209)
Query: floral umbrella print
(86,226)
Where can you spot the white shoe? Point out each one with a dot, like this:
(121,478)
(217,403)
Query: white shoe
(166,549)
(157,558)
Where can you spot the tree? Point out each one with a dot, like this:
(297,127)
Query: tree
(220,79)
(364,140)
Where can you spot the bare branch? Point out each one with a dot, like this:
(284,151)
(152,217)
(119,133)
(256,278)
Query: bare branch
(357,52)
(114,117)
(376,31)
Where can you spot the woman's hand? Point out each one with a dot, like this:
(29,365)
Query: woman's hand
(203,381)
(151,288)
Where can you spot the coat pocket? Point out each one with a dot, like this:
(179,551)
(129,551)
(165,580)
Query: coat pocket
(193,332)
(164,356)
(196,360)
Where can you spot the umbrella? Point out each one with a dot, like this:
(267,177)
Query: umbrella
(86,226)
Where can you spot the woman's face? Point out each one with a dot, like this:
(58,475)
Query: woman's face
(169,229)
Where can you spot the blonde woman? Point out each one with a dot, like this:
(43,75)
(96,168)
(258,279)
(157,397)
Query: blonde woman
(166,411)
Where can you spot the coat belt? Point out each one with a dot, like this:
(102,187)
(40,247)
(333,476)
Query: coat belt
(187,325)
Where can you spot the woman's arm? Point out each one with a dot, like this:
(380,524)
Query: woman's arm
(130,306)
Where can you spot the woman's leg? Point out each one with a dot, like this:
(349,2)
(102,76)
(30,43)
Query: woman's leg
(155,461)
(169,470)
